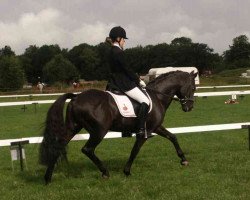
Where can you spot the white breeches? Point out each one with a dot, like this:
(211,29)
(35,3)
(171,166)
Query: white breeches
(138,95)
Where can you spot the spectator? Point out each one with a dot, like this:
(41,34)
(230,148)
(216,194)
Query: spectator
(40,86)
(74,85)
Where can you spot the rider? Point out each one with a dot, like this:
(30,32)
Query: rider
(125,79)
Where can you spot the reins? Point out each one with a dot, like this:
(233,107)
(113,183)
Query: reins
(182,101)
(158,92)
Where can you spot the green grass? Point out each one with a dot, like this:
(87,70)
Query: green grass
(219,169)
(219,161)
(226,77)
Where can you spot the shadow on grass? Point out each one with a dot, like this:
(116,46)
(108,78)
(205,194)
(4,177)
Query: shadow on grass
(73,169)
(35,177)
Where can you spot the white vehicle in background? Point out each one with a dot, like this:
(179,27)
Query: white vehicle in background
(155,72)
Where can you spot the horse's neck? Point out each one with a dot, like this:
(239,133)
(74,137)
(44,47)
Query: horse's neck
(165,93)
(167,88)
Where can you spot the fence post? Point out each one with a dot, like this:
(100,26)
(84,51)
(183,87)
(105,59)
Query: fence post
(35,103)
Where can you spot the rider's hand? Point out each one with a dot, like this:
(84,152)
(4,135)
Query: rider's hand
(142,83)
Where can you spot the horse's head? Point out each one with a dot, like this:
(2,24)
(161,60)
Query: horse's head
(179,83)
(186,91)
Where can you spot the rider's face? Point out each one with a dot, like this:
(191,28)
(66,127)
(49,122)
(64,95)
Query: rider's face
(122,43)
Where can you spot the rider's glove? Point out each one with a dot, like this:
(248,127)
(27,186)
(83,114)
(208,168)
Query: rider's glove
(142,83)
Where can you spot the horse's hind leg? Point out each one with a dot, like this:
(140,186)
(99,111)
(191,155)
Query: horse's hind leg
(59,150)
(50,168)
(165,133)
(136,148)
(89,150)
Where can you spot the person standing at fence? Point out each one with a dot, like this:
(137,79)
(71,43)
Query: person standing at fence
(123,78)
(40,87)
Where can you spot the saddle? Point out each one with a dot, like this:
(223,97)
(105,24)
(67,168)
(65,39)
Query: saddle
(127,106)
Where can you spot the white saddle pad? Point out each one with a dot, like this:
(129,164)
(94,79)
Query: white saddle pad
(125,106)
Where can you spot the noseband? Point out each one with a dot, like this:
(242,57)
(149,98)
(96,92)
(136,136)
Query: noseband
(184,100)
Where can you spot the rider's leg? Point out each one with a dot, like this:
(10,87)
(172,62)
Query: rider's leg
(142,117)
(140,97)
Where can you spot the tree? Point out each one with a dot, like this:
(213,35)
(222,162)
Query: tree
(182,41)
(35,58)
(59,69)
(238,54)
(6,51)
(86,60)
(103,69)
(187,53)
(181,49)
(202,57)
(91,61)
(28,60)
(11,73)
(138,59)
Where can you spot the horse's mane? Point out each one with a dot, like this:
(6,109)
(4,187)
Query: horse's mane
(163,76)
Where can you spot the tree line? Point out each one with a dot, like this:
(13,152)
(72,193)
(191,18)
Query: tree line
(52,64)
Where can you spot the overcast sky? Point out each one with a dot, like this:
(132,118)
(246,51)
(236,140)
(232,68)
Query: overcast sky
(71,22)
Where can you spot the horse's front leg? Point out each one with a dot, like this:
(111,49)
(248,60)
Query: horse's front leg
(165,133)
(136,148)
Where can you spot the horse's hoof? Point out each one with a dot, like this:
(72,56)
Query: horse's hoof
(105,176)
(127,173)
(47,182)
(184,163)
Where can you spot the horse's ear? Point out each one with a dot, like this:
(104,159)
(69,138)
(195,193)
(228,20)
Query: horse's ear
(193,74)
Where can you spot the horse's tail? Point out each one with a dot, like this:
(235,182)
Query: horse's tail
(52,145)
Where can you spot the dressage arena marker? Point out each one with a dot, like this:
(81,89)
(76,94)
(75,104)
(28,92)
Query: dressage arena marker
(17,152)
(190,129)
(24,108)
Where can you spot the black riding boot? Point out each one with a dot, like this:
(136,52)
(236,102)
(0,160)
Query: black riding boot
(142,117)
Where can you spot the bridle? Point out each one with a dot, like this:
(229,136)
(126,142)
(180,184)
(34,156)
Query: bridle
(184,100)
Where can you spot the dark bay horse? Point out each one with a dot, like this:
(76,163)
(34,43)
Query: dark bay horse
(97,112)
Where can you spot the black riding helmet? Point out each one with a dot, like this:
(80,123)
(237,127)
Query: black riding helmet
(116,32)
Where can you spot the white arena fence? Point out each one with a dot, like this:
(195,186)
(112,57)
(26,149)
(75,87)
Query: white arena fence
(34,95)
(222,86)
(58,94)
(190,129)
(200,94)
(223,93)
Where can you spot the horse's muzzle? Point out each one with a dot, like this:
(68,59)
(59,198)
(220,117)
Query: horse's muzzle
(187,108)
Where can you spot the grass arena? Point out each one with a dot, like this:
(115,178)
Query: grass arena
(218,161)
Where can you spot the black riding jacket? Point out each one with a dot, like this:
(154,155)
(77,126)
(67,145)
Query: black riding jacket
(121,76)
